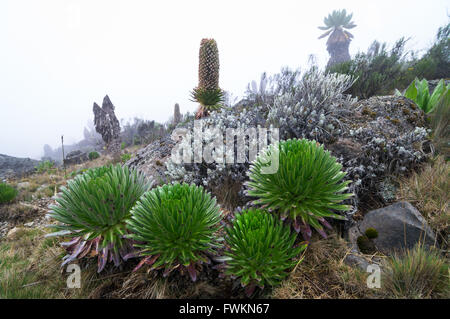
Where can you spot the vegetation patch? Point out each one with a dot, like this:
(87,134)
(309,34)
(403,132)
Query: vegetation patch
(428,191)
(420,273)
(7,193)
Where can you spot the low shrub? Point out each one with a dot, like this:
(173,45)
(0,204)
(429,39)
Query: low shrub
(7,193)
(378,71)
(93,155)
(45,166)
(176,227)
(261,249)
(365,245)
(125,157)
(435,63)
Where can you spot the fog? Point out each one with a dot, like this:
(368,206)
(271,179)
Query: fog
(59,57)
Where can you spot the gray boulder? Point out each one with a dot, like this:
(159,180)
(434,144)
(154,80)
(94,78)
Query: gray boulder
(400,226)
(76,157)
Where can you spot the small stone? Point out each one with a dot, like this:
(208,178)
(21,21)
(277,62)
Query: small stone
(12,232)
(23,185)
(358,261)
(30,224)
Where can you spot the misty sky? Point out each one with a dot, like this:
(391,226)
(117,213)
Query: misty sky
(58,57)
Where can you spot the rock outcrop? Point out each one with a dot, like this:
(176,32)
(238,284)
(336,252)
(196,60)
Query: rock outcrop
(151,160)
(382,135)
(76,157)
(107,124)
(14,166)
(400,226)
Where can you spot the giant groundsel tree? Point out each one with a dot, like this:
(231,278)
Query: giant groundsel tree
(336,25)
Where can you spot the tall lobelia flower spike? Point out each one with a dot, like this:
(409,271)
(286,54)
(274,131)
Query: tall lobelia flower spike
(208,93)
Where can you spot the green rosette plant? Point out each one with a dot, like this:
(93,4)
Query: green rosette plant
(93,208)
(261,249)
(175,226)
(307,187)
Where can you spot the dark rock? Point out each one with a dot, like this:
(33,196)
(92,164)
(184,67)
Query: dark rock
(151,160)
(107,124)
(76,157)
(15,167)
(400,226)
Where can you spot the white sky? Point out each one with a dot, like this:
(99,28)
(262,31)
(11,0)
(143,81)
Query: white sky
(59,56)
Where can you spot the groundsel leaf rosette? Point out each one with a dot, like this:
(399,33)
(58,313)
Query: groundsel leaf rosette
(176,226)
(93,208)
(261,249)
(307,187)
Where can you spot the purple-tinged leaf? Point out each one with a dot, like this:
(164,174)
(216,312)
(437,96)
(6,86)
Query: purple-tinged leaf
(166,272)
(67,259)
(116,258)
(70,243)
(296,226)
(325,223)
(78,249)
(250,289)
(86,250)
(192,272)
(322,233)
(207,261)
(306,232)
(150,261)
(129,255)
(102,259)
(140,264)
